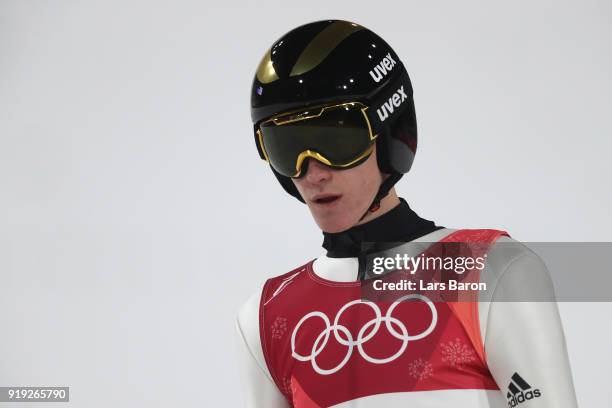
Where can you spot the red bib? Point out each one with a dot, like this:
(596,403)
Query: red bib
(325,344)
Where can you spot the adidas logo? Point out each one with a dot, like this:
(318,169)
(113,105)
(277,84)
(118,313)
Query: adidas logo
(520,391)
(384,66)
(394,101)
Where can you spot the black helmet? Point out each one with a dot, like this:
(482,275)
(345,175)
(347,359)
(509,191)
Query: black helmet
(331,62)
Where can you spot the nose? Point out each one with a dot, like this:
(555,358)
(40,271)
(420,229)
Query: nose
(317,172)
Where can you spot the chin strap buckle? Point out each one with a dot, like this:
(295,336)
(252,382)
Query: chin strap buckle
(383,190)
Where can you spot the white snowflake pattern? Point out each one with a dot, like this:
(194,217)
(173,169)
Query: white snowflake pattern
(456,353)
(278,327)
(420,369)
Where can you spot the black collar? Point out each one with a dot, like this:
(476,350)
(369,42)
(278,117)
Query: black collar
(400,224)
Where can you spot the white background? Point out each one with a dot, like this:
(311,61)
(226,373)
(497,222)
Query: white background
(136,216)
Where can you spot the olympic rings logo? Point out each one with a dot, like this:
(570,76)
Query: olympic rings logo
(321,340)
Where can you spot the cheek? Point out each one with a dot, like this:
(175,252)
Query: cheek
(370,175)
(364,182)
(299,185)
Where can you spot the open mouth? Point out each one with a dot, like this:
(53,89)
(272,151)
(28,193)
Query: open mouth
(327,199)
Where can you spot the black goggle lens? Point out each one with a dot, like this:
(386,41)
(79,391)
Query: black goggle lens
(336,136)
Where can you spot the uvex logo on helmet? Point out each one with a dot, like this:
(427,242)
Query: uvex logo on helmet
(383,68)
(394,101)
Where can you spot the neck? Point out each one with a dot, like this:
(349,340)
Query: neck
(397,223)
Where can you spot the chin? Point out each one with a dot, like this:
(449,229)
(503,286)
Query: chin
(334,225)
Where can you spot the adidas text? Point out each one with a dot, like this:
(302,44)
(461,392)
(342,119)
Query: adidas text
(522,397)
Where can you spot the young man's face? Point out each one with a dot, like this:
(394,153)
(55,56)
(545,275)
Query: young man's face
(337,199)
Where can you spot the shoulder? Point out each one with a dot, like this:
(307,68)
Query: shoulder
(506,249)
(248,314)
(514,272)
(507,255)
(503,251)
(506,259)
(519,272)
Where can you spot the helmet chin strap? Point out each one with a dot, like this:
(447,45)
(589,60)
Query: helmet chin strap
(383,190)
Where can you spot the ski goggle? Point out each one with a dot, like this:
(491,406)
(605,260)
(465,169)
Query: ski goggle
(339,136)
